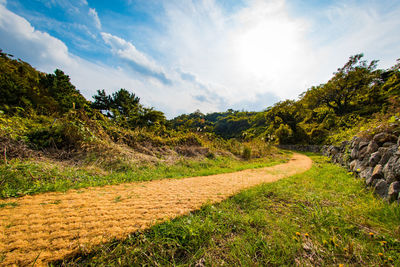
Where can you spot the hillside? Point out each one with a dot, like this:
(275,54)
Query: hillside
(358,96)
(48,129)
(52,139)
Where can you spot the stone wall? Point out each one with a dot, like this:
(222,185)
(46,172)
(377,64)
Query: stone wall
(376,160)
(304,148)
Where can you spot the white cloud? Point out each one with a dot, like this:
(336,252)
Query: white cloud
(3,2)
(242,55)
(141,62)
(95,16)
(265,49)
(47,53)
(43,48)
(212,60)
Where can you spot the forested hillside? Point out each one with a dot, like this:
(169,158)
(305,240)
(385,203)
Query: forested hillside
(357,94)
(52,139)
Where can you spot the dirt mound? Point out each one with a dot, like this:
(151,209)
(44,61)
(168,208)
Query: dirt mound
(51,226)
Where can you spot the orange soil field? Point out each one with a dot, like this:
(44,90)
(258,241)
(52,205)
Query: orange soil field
(51,226)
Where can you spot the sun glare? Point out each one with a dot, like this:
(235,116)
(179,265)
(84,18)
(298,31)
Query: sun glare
(267,47)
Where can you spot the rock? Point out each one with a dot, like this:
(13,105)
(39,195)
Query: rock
(371,181)
(394,191)
(388,144)
(333,150)
(343,145)
(353,165)
(391,170)
(374,159)
(363,152)
(362,144)
(372,147)
(384,137)
(336,158)
(360,165)
(324,150)
(354,142)
(377,172)
(386,153)
(354,153)
(366,173)
(381,188)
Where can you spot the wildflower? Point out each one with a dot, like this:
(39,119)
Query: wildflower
(341,265)
(380,254)
(390,259)
(306,235)
(298,234)
(358,170)
(371,234)
(383,243)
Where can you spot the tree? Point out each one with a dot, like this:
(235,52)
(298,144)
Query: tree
(103,102)
(125,109)
(349,82)
(59,87)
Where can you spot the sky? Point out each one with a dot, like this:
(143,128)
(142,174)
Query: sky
(179,56)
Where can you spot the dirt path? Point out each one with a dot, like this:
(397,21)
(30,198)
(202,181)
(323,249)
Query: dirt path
(54,225)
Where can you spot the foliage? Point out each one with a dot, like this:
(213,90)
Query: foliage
(21,177)
(124,108)
(354,93)
(319,218)
(25,90)
(246,152)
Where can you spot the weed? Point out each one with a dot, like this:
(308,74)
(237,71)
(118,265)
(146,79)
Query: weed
(246,152)
(56,202)
(117,199)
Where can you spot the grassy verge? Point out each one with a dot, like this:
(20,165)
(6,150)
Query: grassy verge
(322,217)
(22,177)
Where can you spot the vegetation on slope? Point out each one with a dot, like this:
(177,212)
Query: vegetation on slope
(321,217)
(22,177)
(356,93)
(48,130)
(53,139)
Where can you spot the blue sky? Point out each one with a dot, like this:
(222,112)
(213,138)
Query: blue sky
(182,55)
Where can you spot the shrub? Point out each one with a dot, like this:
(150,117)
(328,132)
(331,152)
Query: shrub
(210,155)
(246,153)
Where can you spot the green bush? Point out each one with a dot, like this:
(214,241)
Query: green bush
(246,153)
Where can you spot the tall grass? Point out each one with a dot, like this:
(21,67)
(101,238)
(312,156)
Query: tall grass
(21,177)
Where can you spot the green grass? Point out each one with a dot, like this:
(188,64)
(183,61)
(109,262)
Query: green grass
(323,217)
(23,177)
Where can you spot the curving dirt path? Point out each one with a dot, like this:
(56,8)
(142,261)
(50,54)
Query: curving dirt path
(51,226)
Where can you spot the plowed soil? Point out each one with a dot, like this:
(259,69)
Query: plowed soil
(51,226)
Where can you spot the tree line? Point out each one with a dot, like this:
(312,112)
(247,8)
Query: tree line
(355,92)
(24,90)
